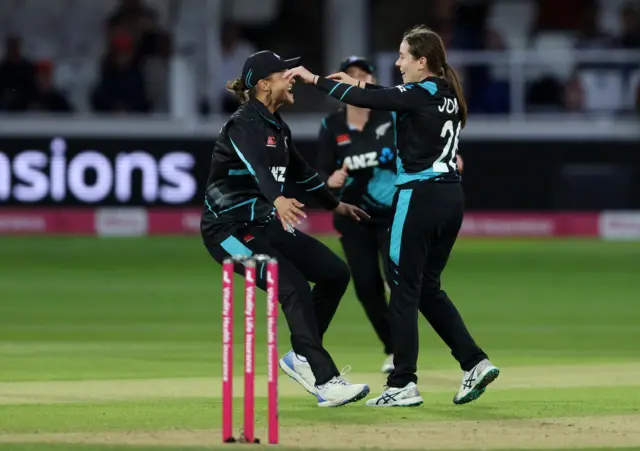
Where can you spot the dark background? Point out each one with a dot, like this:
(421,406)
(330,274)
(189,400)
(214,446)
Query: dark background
(500,175)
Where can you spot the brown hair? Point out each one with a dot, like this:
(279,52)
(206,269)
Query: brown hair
(239,89)
(424,42)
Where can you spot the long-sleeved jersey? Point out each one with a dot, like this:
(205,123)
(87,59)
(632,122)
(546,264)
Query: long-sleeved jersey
(369,156)
(427,124)
(252,158)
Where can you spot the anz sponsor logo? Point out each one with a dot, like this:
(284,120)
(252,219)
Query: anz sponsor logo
(362,161)
(278,173)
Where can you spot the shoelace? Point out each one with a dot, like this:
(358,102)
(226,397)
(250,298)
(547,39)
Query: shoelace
(341,379)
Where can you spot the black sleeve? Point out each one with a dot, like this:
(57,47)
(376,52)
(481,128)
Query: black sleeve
(308,179)
(326,153)
(399,98)
(251,150)
(372,86)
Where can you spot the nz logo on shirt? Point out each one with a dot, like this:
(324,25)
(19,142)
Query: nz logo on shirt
(278,173)
(381,130)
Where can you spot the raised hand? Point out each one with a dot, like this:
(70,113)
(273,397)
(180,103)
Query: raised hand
(300,72)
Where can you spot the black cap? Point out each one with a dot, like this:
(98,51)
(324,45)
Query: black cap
(358,61)
(262,64)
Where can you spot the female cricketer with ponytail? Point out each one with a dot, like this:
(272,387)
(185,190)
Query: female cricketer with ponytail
(357,159)
(253,157)
(427,212)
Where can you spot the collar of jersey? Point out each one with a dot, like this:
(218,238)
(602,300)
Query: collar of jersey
(430,84)
(433,79)
(272,118)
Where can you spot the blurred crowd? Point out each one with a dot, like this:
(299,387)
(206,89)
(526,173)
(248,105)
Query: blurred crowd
(553,29)
(591,86)
(135,61)
(132,73)
(28,86)
(131,76)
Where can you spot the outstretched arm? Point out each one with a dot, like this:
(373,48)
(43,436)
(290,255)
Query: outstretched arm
(390,99)
(350,91)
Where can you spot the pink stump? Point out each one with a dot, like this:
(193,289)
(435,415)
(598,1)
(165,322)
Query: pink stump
(272,349)
(227,351)
(249,349)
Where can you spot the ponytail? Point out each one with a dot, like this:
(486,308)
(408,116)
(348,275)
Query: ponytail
(452,78)
(239,89)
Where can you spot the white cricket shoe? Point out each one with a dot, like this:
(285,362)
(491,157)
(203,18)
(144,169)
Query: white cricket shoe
(387,366)
(338,391)
(407,396)
(475,382)
(297,368)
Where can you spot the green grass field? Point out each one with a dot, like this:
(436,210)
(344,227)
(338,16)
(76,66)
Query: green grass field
(114,344)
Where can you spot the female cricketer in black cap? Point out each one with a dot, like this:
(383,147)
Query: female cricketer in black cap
(252,158)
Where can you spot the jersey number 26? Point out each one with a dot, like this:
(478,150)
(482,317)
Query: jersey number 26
(445,160)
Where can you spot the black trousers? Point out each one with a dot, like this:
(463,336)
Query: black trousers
(364,244)
(426,222)
(301,259)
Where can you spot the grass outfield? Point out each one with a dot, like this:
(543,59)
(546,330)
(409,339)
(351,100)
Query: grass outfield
(111,343)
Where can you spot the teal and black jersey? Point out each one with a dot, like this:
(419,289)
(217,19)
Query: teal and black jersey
(426,123)
(252,158)
(369,156)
